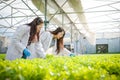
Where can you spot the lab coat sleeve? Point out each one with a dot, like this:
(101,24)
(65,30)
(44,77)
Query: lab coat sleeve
(17,38)
(66,52)
(39,50)
(46,39)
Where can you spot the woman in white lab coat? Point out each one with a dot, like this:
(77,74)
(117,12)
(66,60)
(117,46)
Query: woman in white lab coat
(57,35)
(25,42)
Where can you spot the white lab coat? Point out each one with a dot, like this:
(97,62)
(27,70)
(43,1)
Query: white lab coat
(19,43)
(46,39)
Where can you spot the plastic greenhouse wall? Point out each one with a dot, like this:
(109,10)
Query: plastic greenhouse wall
(3,44)
(84,47)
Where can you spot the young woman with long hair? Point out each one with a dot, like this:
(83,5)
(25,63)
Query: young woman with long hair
(58,35)
(25,42)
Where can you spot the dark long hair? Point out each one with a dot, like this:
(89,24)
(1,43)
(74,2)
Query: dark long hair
(59,44)
(33,29)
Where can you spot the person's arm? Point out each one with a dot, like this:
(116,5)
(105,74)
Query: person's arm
(46,39)
(67,52)
(40,50)
(17,38)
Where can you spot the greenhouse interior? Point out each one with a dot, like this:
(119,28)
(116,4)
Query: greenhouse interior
(91,26)
(59,40)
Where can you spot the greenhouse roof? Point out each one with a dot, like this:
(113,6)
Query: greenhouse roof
(79,17)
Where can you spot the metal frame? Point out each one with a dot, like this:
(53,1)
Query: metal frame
(116,10)
(12,13)
(64,14)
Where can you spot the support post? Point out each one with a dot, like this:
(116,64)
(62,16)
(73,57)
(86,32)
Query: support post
(45,22)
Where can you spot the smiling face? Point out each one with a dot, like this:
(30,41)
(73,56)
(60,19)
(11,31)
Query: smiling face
(59,35)
(39,27)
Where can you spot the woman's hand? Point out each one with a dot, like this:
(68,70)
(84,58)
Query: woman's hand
(72,54)
(26,53)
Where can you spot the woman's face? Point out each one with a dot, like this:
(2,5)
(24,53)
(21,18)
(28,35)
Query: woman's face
(39,27)
(59,35)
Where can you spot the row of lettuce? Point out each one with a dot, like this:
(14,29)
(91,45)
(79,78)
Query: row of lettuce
(83,67)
